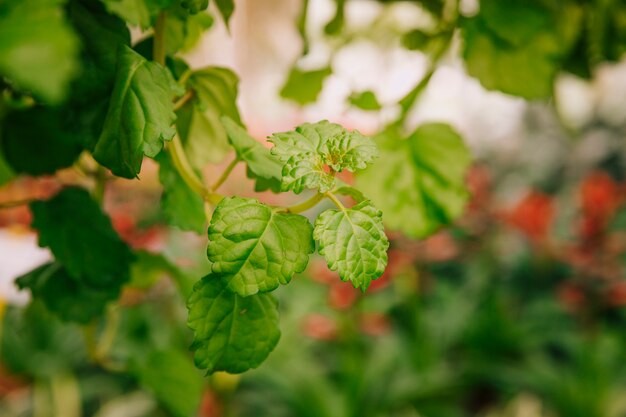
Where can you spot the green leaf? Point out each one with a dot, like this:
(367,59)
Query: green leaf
(39,50)
(231,333)
(365,100)
(518,48)
(226,8)
(312,149)
(262,165)
(182,207)
(303,87)
(353,242)
(335,25)
(174,381)
(254,248)
(70,298)
(195,6)
(81,238)
(419,183)
(140,115)
(200,128)
(39,141)
(6,172)
(183,30)
(137,12)
(352,192)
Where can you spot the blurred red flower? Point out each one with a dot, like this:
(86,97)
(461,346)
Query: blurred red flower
(533,215)
(600,196)
(318,326)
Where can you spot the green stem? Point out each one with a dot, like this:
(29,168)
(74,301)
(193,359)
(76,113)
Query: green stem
(110,331)
(158,51)
(187,173)
(100,177)
(178,104)
(225,174)
(305,205)
(65,396)
(335,200)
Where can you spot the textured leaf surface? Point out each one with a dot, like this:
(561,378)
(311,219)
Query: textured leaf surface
(181,206)
(262,165)
(255,249)
(68,297)
(171,376)
(200,128)
(81,238)
(303,87)
(419,183)
(312,149)
(140,115)
(353,242)
(38,49)
(231,333)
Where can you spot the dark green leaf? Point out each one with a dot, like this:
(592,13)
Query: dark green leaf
(39,50)
(140,115)
(195,6)
(39,141)
(231,333)
(303,87)
(170,375)
(226,8)
(70,298)
(137,12)
(353,242)
(419,183)
(262,165)
(254,248)
(182,207)
(81,238)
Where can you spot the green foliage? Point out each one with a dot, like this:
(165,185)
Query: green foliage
(303,87)
(353,242)
(419,182)
(226,8)
(140,115)
(262,166)
(365,100)
(255,249)
(232,333)
(82,239)
(195,6)
(201,131)
(36,36)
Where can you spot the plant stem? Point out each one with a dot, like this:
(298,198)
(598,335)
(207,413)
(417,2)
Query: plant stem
(110,331)
(16,203)
(305,205)
(100,176)
(335,200)
(183,100)
(158,51)
(225,174)
(187,173)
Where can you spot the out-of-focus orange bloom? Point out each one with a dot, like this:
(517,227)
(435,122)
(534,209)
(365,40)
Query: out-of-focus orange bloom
(341,295)
(440,247)
(571,296)
(479,184)
(149,238)
(533,215)
(374,324)
(616,294)
(319,272)
(600,197)
(318,326)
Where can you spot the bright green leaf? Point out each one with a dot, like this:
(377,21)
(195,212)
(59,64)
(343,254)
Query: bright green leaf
(262,165)
(81,238)
(312,149)
(231,333)
(174,381)
(419,183)
(137,12)
(335,25)
(200,128)
(353,242)
(254,248)
(38,49)
(365,100)
(181,206)
(68,297)
(183,30)
(303,87)
(140,115)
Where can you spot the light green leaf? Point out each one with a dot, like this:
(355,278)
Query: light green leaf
(231,333)
(174,381)
(140,115)
(181,206)
(262,165)
(183,30)
(419,182)
(200,128)
(313,149)
(353,242)
(352,192)
(70,298)
(365,100)
(38,49)
(195,6)
(303,87)
(254,248)
(226,8)
(519,47)
(137,12)
(82,239)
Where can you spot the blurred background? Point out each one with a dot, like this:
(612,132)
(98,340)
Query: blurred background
(515,310)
